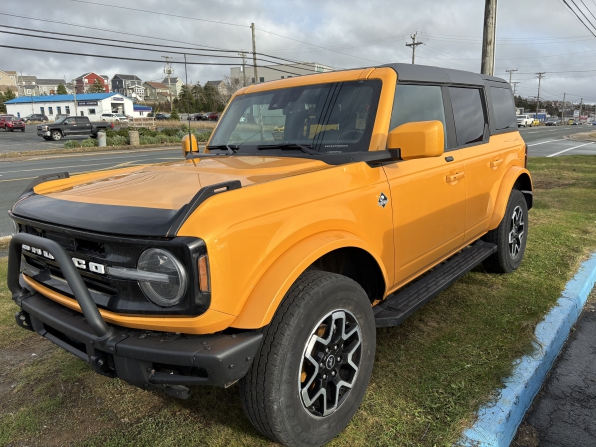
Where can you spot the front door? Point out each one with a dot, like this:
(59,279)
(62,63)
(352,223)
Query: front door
(428,195)
(70,127)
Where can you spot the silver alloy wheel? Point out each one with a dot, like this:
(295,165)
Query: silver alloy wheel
(330,363)
(517,232)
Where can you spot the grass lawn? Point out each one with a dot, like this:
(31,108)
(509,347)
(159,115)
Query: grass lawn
(431,374)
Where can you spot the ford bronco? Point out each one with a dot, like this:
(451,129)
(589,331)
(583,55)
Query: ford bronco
(343,202)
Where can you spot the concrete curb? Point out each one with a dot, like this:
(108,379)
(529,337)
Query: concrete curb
(497,423)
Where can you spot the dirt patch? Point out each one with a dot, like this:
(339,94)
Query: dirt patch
(527,436)
(552,183)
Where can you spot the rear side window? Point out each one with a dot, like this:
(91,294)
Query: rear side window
(468,113)
(503,108)
(414,103)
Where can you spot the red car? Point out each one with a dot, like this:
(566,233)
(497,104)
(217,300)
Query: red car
(213,116)
(10,122)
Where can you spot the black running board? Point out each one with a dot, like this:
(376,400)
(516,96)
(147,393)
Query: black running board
(399,306)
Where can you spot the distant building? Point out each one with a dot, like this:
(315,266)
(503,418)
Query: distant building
(29,90)
(84,82)
(121,83)
(49,86)
(268,73)
(175,85)
(26,81)
(92,105)
(157,92)
(9,79)
(220,86)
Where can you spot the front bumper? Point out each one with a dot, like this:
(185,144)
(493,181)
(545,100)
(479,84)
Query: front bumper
(41,133)
(150,360)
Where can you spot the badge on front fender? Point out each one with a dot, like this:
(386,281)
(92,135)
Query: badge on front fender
(383,200)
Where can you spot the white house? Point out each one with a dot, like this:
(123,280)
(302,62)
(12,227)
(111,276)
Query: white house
(92,105)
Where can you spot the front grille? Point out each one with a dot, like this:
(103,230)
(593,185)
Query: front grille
(111,293)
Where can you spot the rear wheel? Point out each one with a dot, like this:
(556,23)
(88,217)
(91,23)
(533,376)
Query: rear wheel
(311,372)
(510,236)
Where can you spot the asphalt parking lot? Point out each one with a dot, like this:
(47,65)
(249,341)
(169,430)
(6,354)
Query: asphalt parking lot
(28,141)
(549,142)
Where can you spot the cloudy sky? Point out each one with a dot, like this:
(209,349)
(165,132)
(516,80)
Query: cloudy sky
(532,36)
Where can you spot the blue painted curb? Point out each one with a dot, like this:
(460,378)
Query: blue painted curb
(497,423)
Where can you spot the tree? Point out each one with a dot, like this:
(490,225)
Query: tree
(186,101)
(174,115)
(97,87)
(6,96)
(61,89)
(232,85)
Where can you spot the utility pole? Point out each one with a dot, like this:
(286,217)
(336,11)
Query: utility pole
(510,73)
(243,54)
(414,44)
(581,101)
(168,71)
(74,92)
(540,76)
(254,53)
(488,38)
(254,62)
(563,111)
(515,87)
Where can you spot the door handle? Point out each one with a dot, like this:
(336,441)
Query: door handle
(495,163)
(455,177)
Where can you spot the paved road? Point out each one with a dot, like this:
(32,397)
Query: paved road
(28,141)
(564,412)
(16,175)
(549,141)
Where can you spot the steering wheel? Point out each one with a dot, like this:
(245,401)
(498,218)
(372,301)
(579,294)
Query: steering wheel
(351,135)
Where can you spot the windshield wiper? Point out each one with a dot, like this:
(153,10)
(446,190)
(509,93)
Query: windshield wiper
(231,149)
(289,146)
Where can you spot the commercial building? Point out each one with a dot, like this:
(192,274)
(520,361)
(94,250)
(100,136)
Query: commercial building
(268,73)
(92,105)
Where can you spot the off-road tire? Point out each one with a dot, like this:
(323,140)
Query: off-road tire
(502,261)
(270,391)
(56,135)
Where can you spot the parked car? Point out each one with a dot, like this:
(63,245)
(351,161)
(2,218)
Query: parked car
(201,117)
(271,262)
(162,116)
(113,118)
(535,122)
(36,117)
(71,126)
(570,122)
(11,123)
(213,116)
(553,122)
(524,120)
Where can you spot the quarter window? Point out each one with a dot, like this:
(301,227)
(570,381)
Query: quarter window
(468,112)
(503,108)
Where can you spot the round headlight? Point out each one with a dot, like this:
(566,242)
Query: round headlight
(169,284)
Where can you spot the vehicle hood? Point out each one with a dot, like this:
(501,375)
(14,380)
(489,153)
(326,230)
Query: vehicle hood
(147,200)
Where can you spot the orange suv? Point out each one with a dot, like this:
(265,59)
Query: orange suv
(342,202)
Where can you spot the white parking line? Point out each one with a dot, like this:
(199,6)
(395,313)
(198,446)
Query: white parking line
(566,150)
(536,131)
(549,141)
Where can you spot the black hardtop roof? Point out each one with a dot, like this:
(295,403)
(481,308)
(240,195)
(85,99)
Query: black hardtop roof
(426,73)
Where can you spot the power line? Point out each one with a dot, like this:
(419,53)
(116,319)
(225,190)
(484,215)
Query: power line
(578,17)
(214,21)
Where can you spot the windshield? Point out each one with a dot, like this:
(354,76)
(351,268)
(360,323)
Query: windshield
(329,118)
(60,120)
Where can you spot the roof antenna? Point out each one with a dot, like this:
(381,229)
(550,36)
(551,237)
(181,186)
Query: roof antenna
(188,105)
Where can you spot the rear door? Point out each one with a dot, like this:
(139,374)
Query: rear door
(83,125)
(427,195)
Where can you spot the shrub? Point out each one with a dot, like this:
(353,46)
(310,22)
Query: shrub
(90,142)
(117,140)
(71,144)
(145,132)
(170,132)
(174,115)
(111,133)
(148,140)
(203,137)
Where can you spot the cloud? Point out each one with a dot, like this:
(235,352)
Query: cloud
(531,37)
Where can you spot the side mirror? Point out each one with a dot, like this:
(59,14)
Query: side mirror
(418,140)
(189,145)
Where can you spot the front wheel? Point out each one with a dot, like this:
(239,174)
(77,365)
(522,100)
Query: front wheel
(510,236)
(56,135)
(312,370)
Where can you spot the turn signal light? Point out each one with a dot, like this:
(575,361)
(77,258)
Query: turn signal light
(203,274)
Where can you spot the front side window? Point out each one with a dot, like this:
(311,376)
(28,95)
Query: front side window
(503,108)
(414,103)
(468,112)
(326,118)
